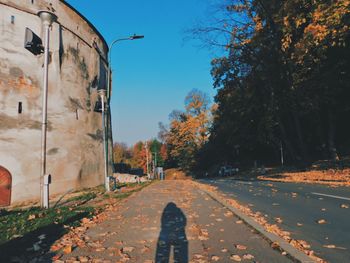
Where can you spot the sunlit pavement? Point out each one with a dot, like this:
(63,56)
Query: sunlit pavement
(174,220)
(300,206)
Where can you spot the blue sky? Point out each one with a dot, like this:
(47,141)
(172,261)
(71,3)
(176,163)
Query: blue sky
(151,76)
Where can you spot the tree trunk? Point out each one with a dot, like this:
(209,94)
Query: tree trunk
(301,142)
(289,146)
(331,137)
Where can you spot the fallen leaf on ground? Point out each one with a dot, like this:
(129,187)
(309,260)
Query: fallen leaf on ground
(240,247)
(67,249)
(215,258)
(248,256)
(31,217)
(329,246)
(224,250)
(228,214)
(299,224)
(36,247)
(83,259)
(54,248)
(145,249)
(41,237)
(236,258)
(334,246)
(198,256)
(321,221)
(85,220)
(128,249)
(344,206)
(278,220)
(239,222)
(56,257)
(275,245)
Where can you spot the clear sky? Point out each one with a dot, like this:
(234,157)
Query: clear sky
(151,76)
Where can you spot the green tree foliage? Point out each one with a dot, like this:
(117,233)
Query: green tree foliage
(284,81)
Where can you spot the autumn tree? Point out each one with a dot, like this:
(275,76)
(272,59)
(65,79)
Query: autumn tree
(121,153)
(189,130)
(283,81)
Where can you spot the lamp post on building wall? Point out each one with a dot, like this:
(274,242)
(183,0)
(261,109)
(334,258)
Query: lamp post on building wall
(105,97)
(47,18)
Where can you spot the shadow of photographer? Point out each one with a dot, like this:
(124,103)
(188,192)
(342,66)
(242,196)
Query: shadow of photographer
(172,236)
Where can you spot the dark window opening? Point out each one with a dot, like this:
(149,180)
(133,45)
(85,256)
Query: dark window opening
(32,1)
(77,114)
(12,19)
(20,107)
(102,85)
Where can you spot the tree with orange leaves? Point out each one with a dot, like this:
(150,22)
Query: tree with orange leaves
(189,129)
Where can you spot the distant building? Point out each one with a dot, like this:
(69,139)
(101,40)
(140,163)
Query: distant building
(77,69)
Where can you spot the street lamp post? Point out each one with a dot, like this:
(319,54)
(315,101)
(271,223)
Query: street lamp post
(105,97)
(133,37)
(47,18)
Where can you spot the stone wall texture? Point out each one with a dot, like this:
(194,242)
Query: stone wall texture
(74,137)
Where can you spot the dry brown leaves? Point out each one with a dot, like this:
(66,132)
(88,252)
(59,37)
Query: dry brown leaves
(248,256)
(77,237)
(321,221)
(215,258)
(236,258)
(240,247)
(329,177)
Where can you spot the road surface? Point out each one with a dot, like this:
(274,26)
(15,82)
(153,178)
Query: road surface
(300,206)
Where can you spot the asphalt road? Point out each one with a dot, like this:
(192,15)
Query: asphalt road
(297,204)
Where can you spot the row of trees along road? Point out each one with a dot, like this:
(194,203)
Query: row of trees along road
(283,81)
(136,155)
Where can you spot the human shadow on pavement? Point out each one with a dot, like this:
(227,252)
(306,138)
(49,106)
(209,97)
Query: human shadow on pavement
(172,236)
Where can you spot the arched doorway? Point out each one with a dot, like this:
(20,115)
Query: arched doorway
(5,187)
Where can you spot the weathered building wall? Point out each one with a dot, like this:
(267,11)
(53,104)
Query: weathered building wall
(74,138)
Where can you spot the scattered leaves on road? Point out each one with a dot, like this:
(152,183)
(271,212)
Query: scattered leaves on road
(236,258)
(215,258)
(240,247)
(321,221)
(278,220)
(248,256)
(331,246)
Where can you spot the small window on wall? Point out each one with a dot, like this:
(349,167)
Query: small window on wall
(20,107)
(12,19)
(32,1)
(102,82)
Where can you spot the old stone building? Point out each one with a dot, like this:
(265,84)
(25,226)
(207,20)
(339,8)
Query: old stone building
(77,69)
